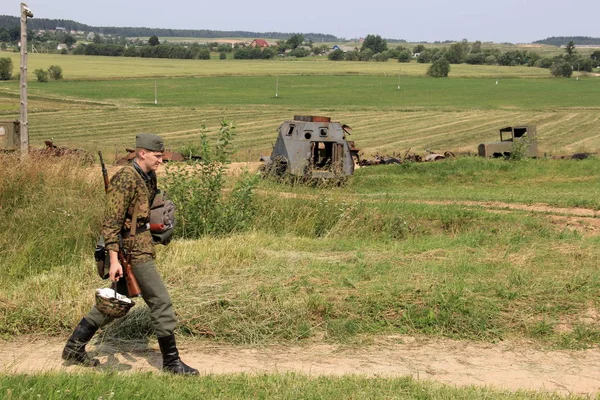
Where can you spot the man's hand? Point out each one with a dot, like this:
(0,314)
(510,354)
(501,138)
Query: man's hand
(116,269)
(115,272)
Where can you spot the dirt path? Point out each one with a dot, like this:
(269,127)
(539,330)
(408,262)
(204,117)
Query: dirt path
(507,365)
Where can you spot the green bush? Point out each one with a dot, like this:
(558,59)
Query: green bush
(6,67)
(336,55)
(439,69)
(55,72)
(561,69)
(404,56)
(41,75)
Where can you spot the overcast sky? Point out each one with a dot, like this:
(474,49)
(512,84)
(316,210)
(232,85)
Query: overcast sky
(516,21)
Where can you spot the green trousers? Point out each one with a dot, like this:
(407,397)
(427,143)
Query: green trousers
(154,293)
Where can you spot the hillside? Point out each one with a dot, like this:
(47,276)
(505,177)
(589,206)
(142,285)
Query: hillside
(8,22)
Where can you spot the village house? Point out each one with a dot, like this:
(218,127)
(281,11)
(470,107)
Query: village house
(259,43)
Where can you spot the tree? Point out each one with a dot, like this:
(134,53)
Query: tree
(295,41)
(457,53)
(6,67)
(4,35)
(153,41)
(561,68)
(570,48)
(375,43)
(439,69)
(97,39)
(476,47)
(418,49)
(404,56)
(595,57)
(69,40)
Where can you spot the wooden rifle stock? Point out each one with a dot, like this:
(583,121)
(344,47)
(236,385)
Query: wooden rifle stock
(133,289)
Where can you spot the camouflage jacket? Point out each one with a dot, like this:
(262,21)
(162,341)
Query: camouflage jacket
(128,188)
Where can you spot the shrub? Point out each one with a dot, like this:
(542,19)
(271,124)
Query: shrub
(41,75)
(439,69)
(55,72)
(491,60)
(544,62)
(404,56)
(6,67)
(222,55)
(381,57)
(561,69)
(336,55)
(352,56)
(197,189)
(366,55)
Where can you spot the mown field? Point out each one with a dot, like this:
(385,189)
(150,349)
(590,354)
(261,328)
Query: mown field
(414,249)
(453,114)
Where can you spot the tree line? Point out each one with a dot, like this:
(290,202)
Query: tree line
(374,48)
(9,22)
(564,40)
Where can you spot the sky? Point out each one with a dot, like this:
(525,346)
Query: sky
(514,21)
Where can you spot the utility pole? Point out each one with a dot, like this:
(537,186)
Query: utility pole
(25,13)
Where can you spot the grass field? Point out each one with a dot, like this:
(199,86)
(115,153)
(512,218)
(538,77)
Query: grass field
(440,114)
(471,249)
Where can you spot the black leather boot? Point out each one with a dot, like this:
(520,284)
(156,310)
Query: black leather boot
(171,361)
(75,348)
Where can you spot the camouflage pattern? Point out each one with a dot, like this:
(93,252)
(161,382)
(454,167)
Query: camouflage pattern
(126,190)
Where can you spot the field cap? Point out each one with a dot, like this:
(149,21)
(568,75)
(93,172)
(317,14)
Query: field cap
(150,142)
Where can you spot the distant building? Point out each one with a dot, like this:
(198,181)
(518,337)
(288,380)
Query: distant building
(345,49)
(62,46)
(259,43)
(60,28)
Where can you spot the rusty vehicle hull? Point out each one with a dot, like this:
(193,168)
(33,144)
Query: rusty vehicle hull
(312,147)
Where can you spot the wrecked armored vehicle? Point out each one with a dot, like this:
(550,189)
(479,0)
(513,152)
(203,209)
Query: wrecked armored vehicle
(522,138)
(312,147)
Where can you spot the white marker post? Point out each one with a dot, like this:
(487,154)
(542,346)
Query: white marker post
(156,91)
(277,88)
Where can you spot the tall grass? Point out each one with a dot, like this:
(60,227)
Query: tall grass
(319,263)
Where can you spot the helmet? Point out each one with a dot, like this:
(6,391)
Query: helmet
(111,303)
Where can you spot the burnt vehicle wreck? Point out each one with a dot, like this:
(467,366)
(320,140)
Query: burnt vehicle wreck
(312,147)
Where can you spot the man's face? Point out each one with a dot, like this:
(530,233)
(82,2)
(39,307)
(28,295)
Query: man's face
(151,160)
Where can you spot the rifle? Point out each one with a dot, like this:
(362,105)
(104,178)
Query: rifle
(133,289)
(104,172)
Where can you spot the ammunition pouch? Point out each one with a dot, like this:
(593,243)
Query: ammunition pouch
(162,218)
(101,257)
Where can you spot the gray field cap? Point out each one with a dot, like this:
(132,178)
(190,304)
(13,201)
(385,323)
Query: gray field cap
(150,142)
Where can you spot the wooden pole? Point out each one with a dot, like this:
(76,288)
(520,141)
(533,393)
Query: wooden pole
(25,12)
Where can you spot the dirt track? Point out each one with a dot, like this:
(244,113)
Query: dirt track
(506,365)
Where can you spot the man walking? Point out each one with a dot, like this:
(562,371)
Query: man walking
(131,191)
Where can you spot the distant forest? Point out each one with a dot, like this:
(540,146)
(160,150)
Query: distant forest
(564,40)
(9,22)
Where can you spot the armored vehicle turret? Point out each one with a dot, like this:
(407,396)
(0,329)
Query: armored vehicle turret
(312,147)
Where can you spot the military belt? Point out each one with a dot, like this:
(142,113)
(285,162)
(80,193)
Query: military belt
(140,229)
